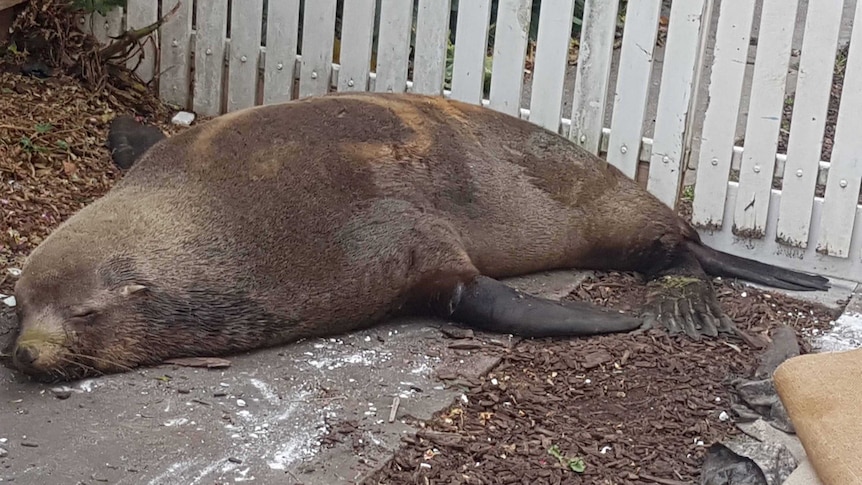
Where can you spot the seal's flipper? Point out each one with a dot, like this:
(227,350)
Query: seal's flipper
(718,263)
(128,139)
(487,304)
(685,304)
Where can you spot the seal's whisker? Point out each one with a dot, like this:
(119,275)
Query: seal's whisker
(100,359)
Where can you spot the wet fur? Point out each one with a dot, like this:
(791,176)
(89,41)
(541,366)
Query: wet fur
(328,214)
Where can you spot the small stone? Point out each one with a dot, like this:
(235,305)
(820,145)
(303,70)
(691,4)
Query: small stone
(240,403)
(3,453)
(29,444)
(9,301)
(723,416)
(183,390)
(62,392)
(219,394)
(14,272)
(183,118)
(234,460)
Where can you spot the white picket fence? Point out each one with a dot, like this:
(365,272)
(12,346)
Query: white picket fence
(213,60)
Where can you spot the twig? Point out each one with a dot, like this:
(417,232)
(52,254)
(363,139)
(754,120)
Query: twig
(130,37)
(395,402)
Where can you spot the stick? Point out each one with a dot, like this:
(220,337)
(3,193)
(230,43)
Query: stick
(395,402)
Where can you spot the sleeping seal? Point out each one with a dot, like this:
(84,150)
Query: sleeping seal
(328,214)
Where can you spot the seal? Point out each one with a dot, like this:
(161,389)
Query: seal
(329,214)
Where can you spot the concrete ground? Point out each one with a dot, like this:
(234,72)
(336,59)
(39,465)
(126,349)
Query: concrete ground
(269,418)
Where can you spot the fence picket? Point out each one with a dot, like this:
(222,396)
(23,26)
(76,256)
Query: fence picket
(633,85)
(139,14)
(210,39)
(471,41)
(809,117)
(549,70)
(357,36)
(175,37)
(393,46)
(245,31)
(719,124)
(666,160)
(510,50)
(764,116)
(432,35)
(318,38)
(282,36)
(594,67)
(845,174)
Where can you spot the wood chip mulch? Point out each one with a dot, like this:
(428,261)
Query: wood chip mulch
(632,409)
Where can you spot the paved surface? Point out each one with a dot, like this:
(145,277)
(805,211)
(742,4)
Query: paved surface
(262,419)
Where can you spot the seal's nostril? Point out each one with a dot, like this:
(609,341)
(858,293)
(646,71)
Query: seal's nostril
(26,355)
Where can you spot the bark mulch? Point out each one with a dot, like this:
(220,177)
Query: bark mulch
(628,409)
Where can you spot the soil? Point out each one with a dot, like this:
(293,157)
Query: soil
(634,408)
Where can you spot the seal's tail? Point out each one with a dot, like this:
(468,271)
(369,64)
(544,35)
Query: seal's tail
(717,263)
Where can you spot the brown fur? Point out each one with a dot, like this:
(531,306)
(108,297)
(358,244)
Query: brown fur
(322,216)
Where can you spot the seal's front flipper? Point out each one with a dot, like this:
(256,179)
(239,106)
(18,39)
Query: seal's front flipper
(685,304)
(128,139)
(487,304)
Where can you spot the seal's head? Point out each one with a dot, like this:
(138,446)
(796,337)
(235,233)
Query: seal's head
(78,314)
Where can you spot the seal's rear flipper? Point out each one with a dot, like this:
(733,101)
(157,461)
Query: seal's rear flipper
(128,139)
(487,304)
(717,263)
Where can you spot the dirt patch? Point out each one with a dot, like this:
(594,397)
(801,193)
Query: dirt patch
(634,409)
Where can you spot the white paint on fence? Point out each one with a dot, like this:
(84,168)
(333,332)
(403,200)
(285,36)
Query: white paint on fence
(633,85)
(809,117)
(245,29)
(598,33)
(764,116)
(666,162)
(719,124)
(318,38)
(471,41)
(175,37)
(510,50)
(768,250)
(357,37)
(549,70)
(282,36)
(138,16)
(210,39)
(840,211)
(429,58)
(393,46)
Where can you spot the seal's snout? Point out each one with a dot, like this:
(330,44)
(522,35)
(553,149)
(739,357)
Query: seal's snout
(36,356)
(26,355)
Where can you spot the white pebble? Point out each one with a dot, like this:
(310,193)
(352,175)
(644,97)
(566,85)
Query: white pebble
(723,416)
(10,301)
(587,381)
(718,399)
(464,399)
(240,403)
(13,272)
(183,118)
(743,294)
(494,381)
(424,465)
(605,449)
